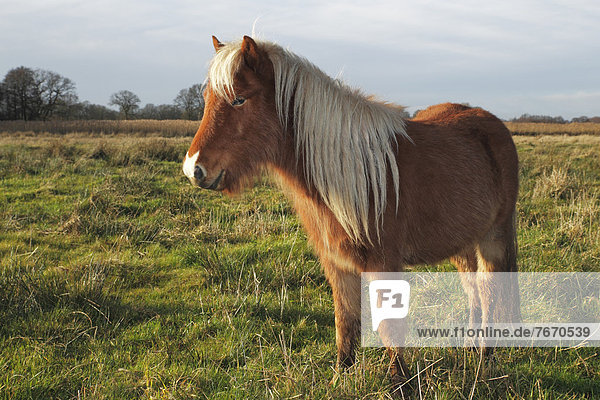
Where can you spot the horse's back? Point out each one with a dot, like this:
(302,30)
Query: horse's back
(461,116)
(457,179)
(468,128)
(475,128)
(440,112)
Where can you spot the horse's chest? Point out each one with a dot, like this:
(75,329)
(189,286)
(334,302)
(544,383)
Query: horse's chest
(327,236)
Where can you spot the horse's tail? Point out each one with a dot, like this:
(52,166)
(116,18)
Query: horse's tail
(512,245)
(511,252)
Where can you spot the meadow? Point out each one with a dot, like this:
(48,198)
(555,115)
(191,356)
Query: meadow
(118,280)
(174,128)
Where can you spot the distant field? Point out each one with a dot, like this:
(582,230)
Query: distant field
(118,280)
(188,128)
(138,127)
(571,129)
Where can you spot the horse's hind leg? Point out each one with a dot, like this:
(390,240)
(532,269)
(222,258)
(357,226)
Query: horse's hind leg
(466,263)
(492,292)
(499,293)
(393,334)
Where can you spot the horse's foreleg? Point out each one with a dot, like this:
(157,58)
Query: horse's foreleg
(346,297)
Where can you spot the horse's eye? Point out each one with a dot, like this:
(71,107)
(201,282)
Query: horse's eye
(238,101)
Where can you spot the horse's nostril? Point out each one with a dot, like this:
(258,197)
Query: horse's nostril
(198,174)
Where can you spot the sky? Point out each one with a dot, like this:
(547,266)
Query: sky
(510,57)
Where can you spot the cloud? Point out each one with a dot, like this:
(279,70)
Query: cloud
(409,52)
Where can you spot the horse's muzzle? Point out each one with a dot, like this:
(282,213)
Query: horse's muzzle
(198,175)
(215,184)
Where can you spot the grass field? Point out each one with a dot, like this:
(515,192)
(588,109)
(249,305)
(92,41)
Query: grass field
(119,280)
(138,127)
(172,128)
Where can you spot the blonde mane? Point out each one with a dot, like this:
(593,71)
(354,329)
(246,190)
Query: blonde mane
(346,138)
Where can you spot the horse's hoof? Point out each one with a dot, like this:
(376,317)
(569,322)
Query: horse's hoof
(400,379)
(401,387)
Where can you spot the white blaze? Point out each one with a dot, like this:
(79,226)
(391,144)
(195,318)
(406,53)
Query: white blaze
(189,164)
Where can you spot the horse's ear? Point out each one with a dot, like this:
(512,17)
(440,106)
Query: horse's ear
(217,44)
(250,53)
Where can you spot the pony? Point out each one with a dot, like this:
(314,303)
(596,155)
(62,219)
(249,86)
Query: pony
(374,191)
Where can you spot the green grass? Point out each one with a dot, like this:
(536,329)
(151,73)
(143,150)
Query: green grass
(120,280)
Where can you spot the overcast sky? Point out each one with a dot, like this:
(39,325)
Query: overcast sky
(511,56)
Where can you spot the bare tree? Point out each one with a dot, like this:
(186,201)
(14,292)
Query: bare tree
(540,119)
(35,94)
(583,118)
(127,102)
(3,105)
(54,91)
(161,111)
(191,102)
(19,88)
(87,110)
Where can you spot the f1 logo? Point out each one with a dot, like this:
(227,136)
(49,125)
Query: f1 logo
(389,300)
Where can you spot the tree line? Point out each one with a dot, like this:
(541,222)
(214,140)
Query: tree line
(37,94)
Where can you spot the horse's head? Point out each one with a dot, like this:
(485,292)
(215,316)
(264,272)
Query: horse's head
(240,131)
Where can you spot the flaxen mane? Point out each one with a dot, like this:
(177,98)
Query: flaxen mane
(347,139)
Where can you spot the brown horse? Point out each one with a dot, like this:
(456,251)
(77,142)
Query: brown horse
(373,191)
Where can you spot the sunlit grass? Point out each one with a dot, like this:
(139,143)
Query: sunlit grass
(120,280)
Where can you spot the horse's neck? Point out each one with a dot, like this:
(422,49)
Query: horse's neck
(289,169)
(322,227)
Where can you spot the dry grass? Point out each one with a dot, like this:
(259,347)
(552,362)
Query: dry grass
(534,128)
(170,128)
(552,184)
(576,220)
(141,127)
